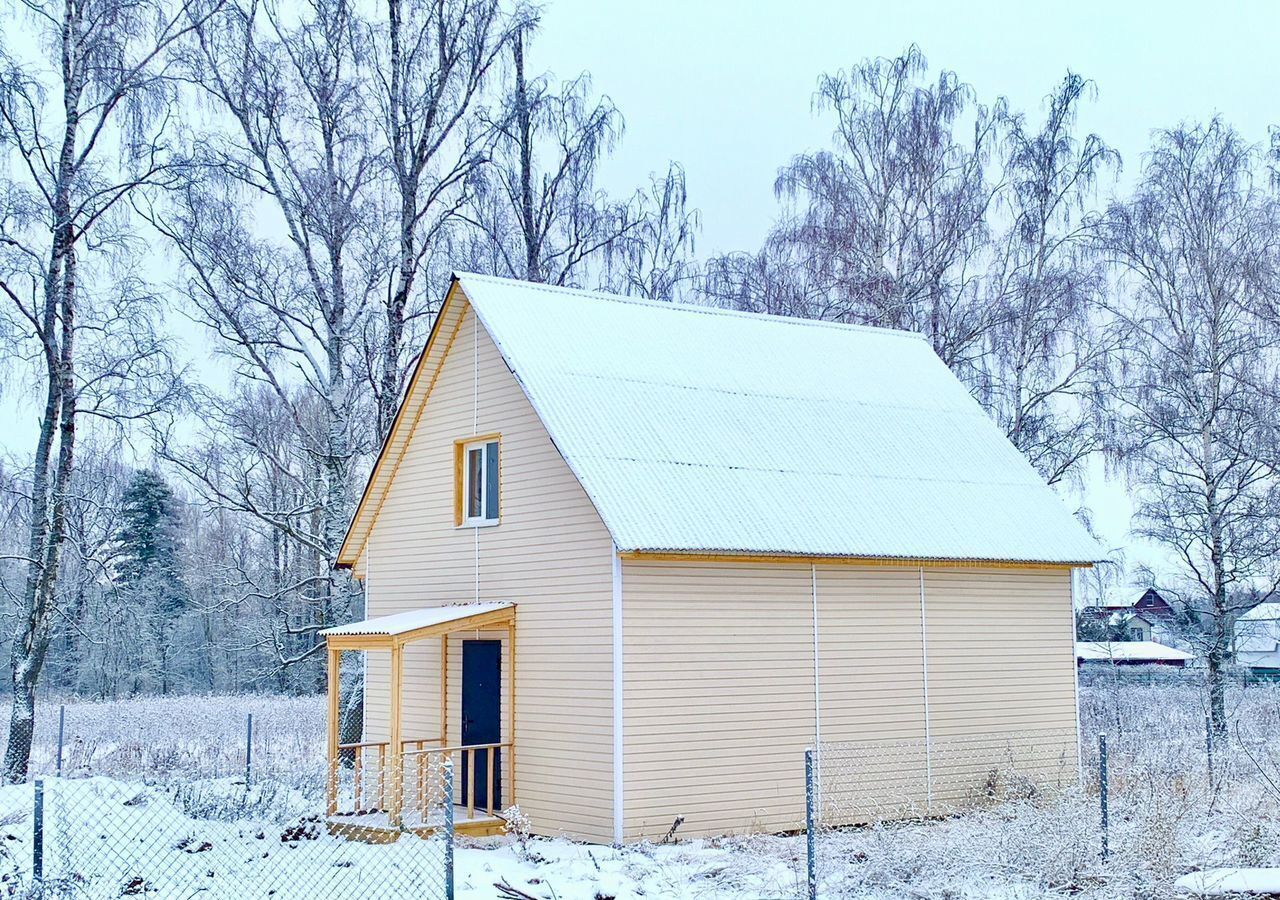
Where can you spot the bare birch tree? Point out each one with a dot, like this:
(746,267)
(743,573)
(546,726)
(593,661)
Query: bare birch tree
(290,142)
(539,214)
(1045,377)
(85,131)
(432,60)
(1198,245)
(778,280)
(655,259)
(891,223)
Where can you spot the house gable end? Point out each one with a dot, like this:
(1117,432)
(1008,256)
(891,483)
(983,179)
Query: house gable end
(445,331)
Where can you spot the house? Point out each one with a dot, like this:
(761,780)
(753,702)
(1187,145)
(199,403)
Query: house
(1131,653)
(1146,619)
(625,560)
(1152,606)
(1139,628)
(1121,624)
(1257,641)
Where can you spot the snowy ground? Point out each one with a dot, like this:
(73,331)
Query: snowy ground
(185,835)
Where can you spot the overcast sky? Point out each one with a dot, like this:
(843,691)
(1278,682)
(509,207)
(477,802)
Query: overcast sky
(725,89)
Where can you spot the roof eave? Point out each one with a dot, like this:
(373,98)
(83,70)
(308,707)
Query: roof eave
(348,555)
(913,562)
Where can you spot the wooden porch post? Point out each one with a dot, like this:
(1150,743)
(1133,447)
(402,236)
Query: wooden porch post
(511,712)
(331,785)
(396,795)
(444,690)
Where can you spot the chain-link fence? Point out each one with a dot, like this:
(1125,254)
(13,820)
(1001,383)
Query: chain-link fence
(1134,778)
(860,783)
(356,833)
(1157,775)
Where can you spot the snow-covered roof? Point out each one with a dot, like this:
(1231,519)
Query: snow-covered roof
(416,619)
(1130,651)
(1258,630)
(695,429)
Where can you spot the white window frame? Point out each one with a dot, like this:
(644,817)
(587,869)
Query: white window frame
(482,520)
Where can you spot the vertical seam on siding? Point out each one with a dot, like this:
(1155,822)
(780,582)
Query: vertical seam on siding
(1075,677)
(817,687)
(617,696)
(475,380)
(924,668)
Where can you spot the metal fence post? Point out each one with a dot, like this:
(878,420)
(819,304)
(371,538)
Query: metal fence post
(248,752)
(448,829)
(1102,793)
(62,721)
(37,836)
(810,818)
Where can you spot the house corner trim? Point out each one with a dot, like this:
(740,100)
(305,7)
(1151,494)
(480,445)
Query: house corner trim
(617,697)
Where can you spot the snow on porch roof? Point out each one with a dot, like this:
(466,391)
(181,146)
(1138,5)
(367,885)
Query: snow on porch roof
(695,429)
(415,620)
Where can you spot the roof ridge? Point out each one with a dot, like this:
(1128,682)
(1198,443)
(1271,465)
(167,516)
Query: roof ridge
(693,307)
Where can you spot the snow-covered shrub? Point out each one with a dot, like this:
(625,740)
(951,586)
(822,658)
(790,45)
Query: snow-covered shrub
(226,800)
(516,825)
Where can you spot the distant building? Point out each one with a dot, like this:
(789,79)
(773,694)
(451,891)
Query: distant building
(1153,606)
(1145,619)
(1139,627)
(1257,641)
(1130,653)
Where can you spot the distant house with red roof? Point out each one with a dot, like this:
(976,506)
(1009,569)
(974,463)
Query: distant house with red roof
(1140,620)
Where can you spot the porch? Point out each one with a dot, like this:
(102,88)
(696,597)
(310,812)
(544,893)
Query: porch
(379,789)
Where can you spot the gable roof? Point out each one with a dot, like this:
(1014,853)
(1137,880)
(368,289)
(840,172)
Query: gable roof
(700,430)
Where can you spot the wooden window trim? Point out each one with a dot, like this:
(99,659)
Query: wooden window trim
(459,480)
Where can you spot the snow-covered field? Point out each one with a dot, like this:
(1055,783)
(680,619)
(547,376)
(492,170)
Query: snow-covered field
(195,828)
(191,736)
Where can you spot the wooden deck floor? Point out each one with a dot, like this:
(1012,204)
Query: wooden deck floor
(374,827)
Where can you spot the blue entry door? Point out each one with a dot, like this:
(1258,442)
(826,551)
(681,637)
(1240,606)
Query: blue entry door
(482,719)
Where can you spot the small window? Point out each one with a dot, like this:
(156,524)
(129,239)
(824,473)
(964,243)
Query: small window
(478,487)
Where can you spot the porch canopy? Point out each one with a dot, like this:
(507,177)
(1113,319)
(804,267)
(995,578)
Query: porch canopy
(392,633)
(389,632)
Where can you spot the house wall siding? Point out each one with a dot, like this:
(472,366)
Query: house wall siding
(719,679)
(550,554)
(717,696)
(1001,663)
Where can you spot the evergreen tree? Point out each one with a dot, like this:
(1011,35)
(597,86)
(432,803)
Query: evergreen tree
(148,570)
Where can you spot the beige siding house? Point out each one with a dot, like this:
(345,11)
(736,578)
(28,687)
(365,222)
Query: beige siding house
(625,561)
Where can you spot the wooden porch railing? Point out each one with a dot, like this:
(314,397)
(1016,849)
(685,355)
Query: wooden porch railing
(401,783)
(490,753)
(356,752)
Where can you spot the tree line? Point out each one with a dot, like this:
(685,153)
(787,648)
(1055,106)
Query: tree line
(298,179)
